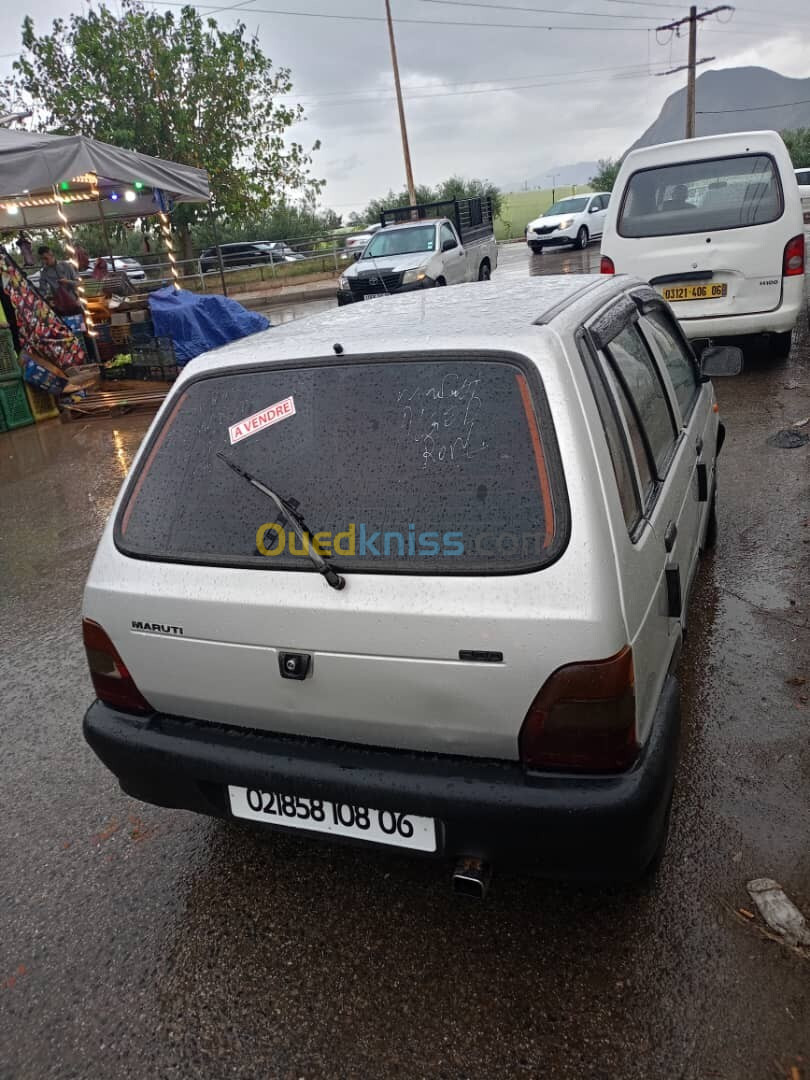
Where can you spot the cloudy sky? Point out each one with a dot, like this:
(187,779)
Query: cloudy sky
(491,91)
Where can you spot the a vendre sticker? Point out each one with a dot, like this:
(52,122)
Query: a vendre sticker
(282,410)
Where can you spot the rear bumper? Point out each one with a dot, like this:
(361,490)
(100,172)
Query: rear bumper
(778,321)
(583,826)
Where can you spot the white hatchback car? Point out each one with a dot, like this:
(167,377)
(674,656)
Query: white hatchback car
(415,575)
(577,220)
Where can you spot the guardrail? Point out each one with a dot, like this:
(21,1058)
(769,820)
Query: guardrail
(198,273)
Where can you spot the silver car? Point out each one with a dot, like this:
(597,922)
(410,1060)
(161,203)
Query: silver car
(416,575)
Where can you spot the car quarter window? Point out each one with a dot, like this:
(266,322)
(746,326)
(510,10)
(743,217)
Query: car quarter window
(634,433)
(665,342)
(616,444)
(637,371)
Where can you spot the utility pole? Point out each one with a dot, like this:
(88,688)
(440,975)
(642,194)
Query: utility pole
(553,179)
(692,19)
(403,129)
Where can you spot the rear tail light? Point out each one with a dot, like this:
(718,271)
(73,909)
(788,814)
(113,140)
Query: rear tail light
(113,683)
(584,718)
(793,260)
(606,265)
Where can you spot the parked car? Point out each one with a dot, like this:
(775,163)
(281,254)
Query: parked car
(803,180)
(355,244)
(235,255)
(473,652)
(577,220)
(130,266)
(422,248)
(281,252)
(715,225)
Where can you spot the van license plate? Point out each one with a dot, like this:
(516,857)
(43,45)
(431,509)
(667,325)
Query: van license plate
(373,295)
(334,818)
(709,291)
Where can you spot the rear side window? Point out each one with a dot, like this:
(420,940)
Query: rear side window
(637,373)
(803,177)
(445,465)
(665,341)
(699,196)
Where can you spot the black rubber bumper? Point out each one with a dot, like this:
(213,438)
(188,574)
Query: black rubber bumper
(567,825)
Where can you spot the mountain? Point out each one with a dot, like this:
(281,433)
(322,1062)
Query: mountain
(732,99)
(566,175)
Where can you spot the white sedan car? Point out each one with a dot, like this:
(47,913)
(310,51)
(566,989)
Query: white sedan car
(577,221)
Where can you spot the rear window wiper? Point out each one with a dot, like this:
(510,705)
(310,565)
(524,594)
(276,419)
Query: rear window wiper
(295,519)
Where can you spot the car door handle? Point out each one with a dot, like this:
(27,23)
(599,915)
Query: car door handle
(670,536)
(702,481)
(674,599)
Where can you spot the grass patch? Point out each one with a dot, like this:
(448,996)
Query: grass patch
(520,207)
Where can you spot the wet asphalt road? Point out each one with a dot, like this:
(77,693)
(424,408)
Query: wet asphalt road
(139,942)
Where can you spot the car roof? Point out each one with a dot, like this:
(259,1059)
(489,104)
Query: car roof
(477,315)
(730,143)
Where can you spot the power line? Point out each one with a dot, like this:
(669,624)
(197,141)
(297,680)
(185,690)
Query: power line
(484,84)
(412,22)
(539,11)
(753,108)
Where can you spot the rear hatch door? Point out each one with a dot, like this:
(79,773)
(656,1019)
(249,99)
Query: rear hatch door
(433,484)
(702,233)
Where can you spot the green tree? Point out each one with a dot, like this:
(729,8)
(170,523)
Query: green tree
(798,144)
(605,178)
(455,187)
(175,86)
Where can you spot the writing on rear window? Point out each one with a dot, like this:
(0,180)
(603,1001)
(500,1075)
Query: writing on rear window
(441,419)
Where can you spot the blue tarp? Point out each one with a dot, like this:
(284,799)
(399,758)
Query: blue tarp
(199,323)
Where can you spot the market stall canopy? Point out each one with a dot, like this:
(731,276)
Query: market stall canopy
(87,174)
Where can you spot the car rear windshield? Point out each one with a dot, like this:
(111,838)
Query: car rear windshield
(701,196)
(443,466)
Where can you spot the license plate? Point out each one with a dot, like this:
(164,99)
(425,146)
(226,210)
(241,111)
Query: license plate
(373,295)
(709,291)
(335,818)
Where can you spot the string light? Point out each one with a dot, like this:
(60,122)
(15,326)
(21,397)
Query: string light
(76,196)
(71,248)
(166,229)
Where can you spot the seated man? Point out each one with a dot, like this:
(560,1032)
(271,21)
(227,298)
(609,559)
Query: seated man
(679,198)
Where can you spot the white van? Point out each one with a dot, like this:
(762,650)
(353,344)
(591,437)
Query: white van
(715,225)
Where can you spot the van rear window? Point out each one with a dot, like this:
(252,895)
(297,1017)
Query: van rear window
(701,196)
(445,465)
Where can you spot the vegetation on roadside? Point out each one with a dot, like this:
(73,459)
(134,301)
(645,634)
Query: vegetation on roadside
(454,187)
(798,144)
(605,178)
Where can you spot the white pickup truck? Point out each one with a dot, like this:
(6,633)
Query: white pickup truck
(420,247)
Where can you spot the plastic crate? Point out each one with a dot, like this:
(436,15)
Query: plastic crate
(120,334)
(42,405)
(116,374)
(14,404)
(9,364)
(143,332)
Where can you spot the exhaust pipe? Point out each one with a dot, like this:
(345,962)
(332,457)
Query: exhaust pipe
(471,877)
